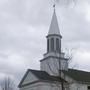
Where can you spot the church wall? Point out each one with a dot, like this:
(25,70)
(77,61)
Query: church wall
(77,86)
(67,78)
(53,65)
(42,86)
(64,65)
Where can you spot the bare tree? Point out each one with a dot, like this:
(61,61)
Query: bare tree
(7,84)
(69,54)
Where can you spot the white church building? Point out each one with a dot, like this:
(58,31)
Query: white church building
(54,73)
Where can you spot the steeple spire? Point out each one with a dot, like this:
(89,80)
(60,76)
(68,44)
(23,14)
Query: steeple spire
(54,37)
(54,28)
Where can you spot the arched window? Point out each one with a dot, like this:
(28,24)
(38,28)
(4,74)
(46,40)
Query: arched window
(57,45)
(52,44)
(48,45)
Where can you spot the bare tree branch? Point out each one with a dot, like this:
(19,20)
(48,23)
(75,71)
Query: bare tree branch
(7,84)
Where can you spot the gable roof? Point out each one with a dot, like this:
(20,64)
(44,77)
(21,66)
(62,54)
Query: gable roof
(42,76)
(78,75)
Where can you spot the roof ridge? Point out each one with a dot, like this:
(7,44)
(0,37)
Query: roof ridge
(37,70)
(80,70)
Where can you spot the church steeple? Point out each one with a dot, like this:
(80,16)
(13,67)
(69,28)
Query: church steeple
(54,28)
(54,59)
(54,37)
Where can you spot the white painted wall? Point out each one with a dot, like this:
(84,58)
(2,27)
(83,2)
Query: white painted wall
(73,85)
(77,86)
(42,86)
(53,65)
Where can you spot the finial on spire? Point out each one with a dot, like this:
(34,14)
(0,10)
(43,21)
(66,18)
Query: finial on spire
(54,5)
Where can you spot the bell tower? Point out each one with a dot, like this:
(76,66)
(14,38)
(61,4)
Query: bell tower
(54,59)
(54,37)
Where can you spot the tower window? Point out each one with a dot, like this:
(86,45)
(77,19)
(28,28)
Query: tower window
(57,45)
(48,45)
(52,44)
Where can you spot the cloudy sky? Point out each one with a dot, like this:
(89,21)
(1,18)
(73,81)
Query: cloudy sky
(24,25)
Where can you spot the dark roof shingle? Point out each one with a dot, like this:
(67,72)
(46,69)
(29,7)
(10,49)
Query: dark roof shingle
(78,75)
(42,75)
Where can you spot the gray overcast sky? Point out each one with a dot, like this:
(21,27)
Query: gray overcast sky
(24,25)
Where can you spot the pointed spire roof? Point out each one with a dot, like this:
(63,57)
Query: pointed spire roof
(54,28)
